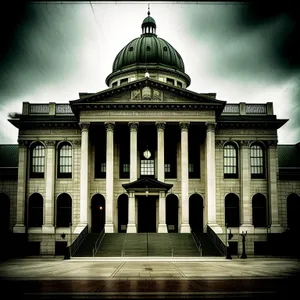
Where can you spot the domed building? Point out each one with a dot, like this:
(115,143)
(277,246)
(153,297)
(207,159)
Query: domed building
(148,162)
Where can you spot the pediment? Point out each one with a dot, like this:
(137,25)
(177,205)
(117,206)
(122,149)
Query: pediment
(149,92)
(149,184)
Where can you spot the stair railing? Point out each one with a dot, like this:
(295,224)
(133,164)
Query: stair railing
(197,242)
(123,248)
(70,250)
(98,242)
(170,242)
(217,241)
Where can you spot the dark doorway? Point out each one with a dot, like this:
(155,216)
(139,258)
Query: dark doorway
(293,208)
(98,213)
(122,213)
(147,214)
(196,213)
(172,213)
(4,213)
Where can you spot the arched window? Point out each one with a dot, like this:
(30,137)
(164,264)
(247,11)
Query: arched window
(232,210)
(230,161)
(64,161)
(35,210)
(37,166)
(63,210)
(259,211)
(257,161)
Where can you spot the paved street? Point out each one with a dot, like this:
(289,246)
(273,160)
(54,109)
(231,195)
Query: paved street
(150,278)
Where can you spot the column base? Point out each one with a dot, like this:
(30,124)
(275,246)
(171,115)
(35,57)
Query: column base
(109,228)
(19,228)
(48,228)
(162,228)
(79,228)
(246,227)
(276,228)
(215,227)
(185,228)
(131,228)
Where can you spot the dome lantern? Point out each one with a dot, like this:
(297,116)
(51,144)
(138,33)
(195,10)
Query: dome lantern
(149,25)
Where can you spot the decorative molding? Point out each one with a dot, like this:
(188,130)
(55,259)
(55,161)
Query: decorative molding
(76,143)
(50,143)
(136,95)
(210,127)
(184,126)
(220,143)
(160,126)
(271,143)
(244,143)
(109,126)
(133,126)
(23,143)
(84,126)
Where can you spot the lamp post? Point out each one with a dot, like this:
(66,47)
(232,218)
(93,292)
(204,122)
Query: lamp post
(244,249)
(101,209)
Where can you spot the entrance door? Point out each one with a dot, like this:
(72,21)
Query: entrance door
(122,213)
(147,214)
(172,213)
(98,213)
(196,213)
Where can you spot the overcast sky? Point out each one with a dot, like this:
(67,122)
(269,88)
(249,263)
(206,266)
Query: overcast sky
(51,51)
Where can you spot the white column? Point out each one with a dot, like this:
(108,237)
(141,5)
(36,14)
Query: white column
(109,226)
(133,151)
(84,169)
(21,189)
(162,226)
(211,177)
(185,226)
(131,227)
(48,226)
(272,185)
(246,202)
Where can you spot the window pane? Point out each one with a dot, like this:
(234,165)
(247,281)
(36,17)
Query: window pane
(65,161)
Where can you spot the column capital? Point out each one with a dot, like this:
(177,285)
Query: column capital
(133,126)
(50,143)
(84,126)
(184,126)
(160,126)
(210,126)
(109,126)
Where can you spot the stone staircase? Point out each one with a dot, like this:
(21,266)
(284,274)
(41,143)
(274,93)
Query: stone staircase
(147,244)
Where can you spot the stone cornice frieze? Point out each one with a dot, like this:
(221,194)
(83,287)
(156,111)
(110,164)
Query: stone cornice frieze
(76,143)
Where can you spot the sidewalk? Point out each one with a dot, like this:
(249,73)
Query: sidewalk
(153,277)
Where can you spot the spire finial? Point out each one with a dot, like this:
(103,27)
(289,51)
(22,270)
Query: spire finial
(148,9)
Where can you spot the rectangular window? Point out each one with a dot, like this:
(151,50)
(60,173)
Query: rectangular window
(257,161)
(147,167)
(114,84)
(167,168)
(126,168)
(65,162)
(123,81)
(179,84)
(191,168)
(38,162)
(170,81)
(103,167)
(230,161)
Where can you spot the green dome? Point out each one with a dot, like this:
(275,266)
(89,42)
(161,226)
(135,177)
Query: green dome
(148,49)
(148,52)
